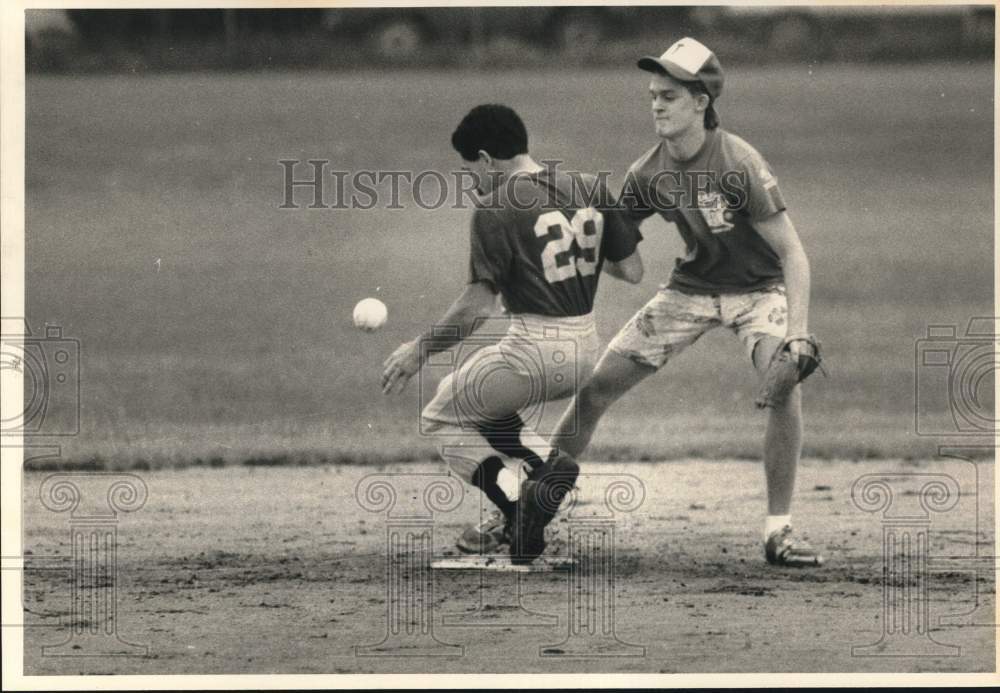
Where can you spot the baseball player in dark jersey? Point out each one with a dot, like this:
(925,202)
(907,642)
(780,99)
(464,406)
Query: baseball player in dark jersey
(540,239)
(745,269)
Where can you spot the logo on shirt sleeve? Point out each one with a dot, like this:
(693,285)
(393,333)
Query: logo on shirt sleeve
(770,185)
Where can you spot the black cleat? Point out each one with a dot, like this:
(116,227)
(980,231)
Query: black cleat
(540,499)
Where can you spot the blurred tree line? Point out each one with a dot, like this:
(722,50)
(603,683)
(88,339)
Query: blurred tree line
(97,27)
(92,40)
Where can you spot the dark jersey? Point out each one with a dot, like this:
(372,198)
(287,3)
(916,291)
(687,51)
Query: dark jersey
(713,198)
(542,239)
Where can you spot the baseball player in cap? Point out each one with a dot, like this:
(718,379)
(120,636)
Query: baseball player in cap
(745,269)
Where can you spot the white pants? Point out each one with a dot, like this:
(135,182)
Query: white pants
(538,360)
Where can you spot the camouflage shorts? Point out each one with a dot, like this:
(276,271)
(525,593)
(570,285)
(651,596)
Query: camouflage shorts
(672,321)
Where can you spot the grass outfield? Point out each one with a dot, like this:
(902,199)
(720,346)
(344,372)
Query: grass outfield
(215,327)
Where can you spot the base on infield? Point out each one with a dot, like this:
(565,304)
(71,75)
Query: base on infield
(503,564)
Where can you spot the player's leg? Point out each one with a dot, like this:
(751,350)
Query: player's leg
(665,326)
(557,355)
(669,323)
(782,451)
(470,457)
(565,351)
(758,319)
(473,419)
(783,439)
(540,498)
(542,495)
(613,377)
(483,438)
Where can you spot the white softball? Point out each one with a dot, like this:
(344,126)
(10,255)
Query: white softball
(370,314)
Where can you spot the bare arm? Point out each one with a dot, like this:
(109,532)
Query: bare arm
(476,301)
(630,269)
(781,235)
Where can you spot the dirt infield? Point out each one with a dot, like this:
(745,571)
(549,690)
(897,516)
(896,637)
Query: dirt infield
(243,570)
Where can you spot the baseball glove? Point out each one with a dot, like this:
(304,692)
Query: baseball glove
(784,373)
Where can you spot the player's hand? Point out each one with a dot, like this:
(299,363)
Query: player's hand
(401,365)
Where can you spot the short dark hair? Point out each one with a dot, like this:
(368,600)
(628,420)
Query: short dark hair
(696,88)
(493,128)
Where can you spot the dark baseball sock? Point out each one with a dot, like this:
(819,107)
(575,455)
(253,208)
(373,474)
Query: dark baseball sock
(485,479)
(505,437)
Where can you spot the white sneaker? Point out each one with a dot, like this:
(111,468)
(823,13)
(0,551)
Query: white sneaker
(784,549)
(488,537)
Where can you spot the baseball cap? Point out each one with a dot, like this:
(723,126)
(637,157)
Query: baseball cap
(688,60)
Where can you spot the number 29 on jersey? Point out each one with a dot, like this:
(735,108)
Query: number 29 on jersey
(559,258)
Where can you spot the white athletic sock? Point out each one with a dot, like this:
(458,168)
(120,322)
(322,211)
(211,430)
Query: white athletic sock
(775,523)
(508,482)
